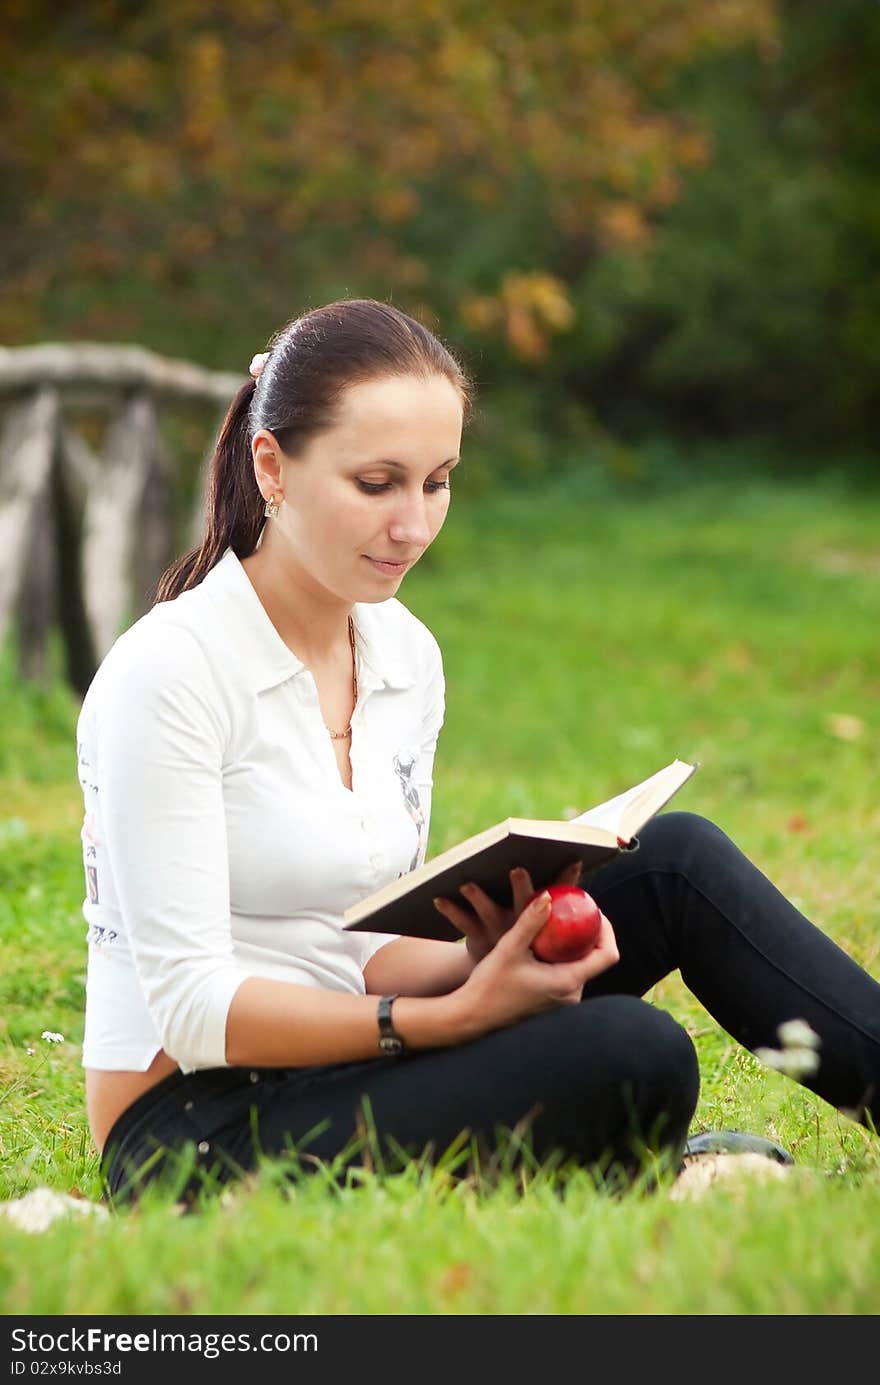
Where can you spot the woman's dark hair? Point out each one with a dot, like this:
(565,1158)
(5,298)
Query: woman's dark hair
(310,364)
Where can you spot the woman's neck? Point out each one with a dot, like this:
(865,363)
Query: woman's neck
(313,624)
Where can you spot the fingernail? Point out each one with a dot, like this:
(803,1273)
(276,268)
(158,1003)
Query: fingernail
(439,905)
(544,901)
(465,889)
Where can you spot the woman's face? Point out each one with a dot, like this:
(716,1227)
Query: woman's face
(363,500)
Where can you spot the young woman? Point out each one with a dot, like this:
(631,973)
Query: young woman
(256,754)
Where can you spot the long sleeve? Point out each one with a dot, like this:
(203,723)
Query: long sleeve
(159,737)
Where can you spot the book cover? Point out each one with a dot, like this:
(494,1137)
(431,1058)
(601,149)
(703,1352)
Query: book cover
(543,846)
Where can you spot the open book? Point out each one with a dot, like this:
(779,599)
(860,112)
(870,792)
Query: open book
(544,848)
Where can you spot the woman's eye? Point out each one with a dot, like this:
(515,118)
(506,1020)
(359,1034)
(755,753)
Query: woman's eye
(378,487)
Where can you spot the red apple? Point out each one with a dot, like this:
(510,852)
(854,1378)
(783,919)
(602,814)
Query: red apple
(572,927)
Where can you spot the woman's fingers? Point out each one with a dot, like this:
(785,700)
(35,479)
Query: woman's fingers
(529,923)
(523,889)
(571,977)
(485,908)
(466,923)
(571,874)
(604,955)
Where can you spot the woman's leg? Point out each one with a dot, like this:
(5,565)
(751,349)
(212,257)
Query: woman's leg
(689,899)
(601,1083)
(597,1081)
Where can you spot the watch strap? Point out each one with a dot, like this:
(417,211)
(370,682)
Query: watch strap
(390,1042)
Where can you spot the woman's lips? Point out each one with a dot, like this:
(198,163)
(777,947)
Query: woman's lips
(390,568)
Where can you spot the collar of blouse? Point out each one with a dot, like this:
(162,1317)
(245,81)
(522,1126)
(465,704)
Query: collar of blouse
(264,654)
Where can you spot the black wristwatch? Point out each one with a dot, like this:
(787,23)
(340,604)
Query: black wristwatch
(390,1042)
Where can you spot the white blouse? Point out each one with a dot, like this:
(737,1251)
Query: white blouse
(219,841)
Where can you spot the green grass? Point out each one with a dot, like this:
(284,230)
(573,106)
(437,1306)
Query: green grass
(590,634)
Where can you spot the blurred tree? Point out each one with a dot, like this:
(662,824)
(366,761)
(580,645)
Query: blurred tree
(756,305)
(183,172)
(668,211)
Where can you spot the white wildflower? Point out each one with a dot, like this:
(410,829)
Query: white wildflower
(30,1052)
(51,1037)
(797,1034)
(794,1062)
(798,1056)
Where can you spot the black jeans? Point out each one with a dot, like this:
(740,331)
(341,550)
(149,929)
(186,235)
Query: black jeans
(600,1083)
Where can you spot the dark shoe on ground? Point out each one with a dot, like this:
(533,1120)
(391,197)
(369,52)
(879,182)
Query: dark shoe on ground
(735,1142)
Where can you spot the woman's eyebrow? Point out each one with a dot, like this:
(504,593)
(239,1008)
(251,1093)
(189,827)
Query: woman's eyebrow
(399,466)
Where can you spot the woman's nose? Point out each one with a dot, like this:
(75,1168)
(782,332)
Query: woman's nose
(410,523)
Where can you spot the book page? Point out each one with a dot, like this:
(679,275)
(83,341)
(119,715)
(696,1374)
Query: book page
(544,847)
(626,812)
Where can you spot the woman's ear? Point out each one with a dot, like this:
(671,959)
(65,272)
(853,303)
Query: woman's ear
(267,464)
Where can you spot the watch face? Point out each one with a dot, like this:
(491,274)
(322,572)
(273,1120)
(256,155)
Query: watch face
(389,1044)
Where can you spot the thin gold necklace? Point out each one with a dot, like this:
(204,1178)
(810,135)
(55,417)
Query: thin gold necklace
(343,735)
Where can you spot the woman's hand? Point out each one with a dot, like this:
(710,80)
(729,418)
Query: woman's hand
(510,982)
(490,921)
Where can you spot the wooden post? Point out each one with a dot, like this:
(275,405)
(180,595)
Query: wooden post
(85,535)
(198,516)
(27,450)
(35,606)
(154,546)
(75,472)
(112,516)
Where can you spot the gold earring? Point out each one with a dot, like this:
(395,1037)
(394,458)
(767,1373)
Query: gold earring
(271,509)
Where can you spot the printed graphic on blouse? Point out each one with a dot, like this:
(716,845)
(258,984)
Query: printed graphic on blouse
(97,933)
(404,764)
(90,855)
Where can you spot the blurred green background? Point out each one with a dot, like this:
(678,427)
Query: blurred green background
(632,221)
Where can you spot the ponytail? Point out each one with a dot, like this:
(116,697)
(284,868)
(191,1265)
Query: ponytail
(235,514)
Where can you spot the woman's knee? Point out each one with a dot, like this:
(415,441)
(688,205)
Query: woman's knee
(638,1068)
(664,1086)
(656,1050)
(678,841)
(633,1047)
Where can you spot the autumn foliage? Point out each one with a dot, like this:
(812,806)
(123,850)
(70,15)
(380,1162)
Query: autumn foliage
(659,209)
(470,156)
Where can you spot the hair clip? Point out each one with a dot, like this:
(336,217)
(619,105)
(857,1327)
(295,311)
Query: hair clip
(258,364)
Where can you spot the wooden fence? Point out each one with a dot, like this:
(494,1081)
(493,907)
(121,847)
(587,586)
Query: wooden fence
(85,532)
